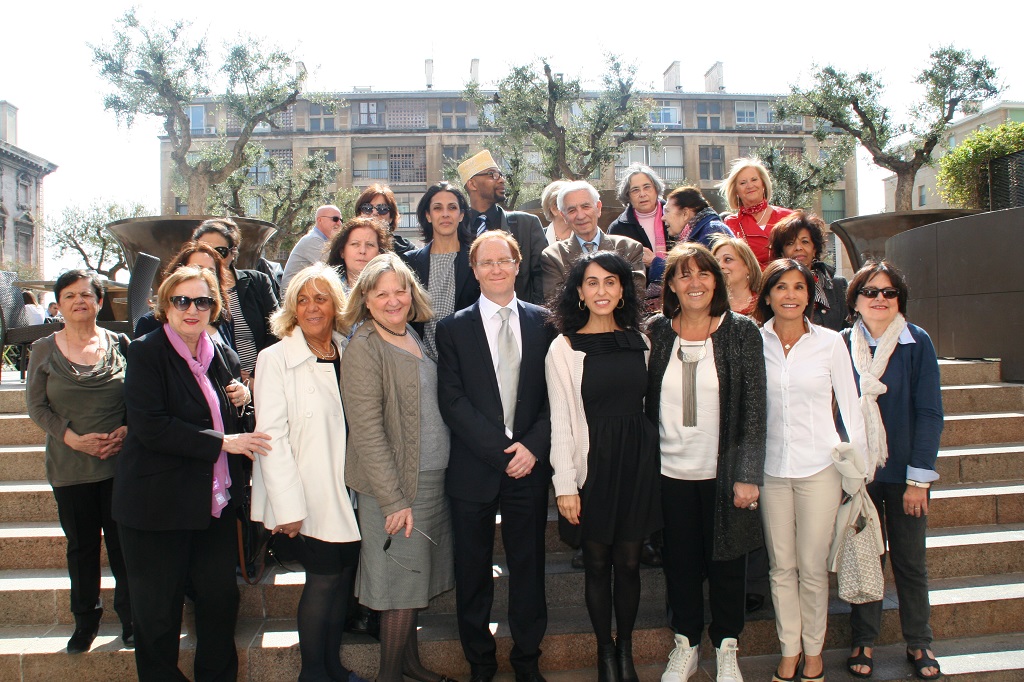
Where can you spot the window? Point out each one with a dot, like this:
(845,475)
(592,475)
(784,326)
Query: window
(746,114)
(709,115)
(668,163)
(631,155)
(765,113)
(454,115)
(712,163)
(368,114)
(952,141)
(321,118)
(330,153)
(260,173)
(454,152)
(197,117)
(666,112)
(180,206)
(407,114)
(24,238)
(833,205)
(922,195)
(24,190)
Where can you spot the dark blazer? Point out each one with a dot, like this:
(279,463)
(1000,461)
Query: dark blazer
(627,225)
(164,473)
(470,403)
(559,257)
(529,234)
(467,288)
(257,300)
(739,361)
(833,317)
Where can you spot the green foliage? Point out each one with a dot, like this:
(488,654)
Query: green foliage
(81,230)
(795,182)
(850,105)
(963,171)
(575,132)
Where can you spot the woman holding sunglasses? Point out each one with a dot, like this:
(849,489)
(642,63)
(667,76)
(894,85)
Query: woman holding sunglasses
(895,365)
(396,459)
(250,297)
(378,201)
(177,481)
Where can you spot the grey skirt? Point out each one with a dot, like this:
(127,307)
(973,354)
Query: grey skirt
(383,585)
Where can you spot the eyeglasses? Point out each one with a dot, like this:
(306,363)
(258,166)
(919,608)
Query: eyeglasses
(224,251)
(871,292)
(182,303)
(332,218)
(387,546)
(504,264)
(381,209)
(492,174)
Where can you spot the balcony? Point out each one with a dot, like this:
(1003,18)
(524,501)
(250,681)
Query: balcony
(831,216)
(370,174)
(669,174)
(395,174)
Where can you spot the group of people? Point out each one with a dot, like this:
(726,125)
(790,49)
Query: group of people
(404,397)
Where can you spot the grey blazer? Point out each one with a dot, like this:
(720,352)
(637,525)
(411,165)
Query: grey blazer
(556,260)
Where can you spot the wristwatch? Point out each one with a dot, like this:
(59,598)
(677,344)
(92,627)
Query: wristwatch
(918,484)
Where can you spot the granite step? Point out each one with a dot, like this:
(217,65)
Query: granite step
(980,463)
(976,504)
(977,398)
(961,372)
(18,429)
(22,462)
(982,428)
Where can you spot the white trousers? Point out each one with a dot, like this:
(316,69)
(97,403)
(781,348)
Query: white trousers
(799,516)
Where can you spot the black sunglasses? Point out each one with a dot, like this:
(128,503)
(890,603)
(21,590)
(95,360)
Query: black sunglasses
(182,303)
(387,546)
(871,292)
(333,218)
(224,251)
(382,209)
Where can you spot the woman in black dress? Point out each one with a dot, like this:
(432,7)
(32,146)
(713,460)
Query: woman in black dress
(603,446)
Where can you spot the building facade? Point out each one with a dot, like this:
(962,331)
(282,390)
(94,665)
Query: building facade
(21,195)
(926,191)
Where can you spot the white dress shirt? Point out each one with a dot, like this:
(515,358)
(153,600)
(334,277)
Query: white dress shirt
(492,325)
(801,429)
(690,453)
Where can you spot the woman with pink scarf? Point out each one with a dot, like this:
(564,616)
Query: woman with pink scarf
(179,479)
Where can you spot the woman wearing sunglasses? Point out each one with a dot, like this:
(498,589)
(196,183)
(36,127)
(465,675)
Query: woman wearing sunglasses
(250,297)
(895,365)
(397,456)
(378,201)
(178,480)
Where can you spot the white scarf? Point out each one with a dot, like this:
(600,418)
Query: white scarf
(870,370)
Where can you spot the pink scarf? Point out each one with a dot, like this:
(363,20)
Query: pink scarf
(655,227)
(199,367)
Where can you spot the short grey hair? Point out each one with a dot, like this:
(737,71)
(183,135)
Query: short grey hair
(576,186)
(550,193)
(635,169)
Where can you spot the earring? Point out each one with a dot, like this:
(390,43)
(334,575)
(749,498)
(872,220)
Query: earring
(621,305)
(582,305)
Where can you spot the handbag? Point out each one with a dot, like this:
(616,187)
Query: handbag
(858,570)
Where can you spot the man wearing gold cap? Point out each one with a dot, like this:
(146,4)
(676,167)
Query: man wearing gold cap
(485,184)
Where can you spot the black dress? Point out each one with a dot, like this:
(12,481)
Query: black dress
(621,499)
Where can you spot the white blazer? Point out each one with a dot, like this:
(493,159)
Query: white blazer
(298,404)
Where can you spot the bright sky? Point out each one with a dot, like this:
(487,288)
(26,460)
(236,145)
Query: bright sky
(48,72)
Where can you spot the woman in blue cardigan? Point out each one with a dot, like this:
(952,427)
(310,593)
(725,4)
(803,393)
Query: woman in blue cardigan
(898,374)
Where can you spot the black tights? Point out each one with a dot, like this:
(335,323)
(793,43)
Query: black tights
(399,648)
(598,561)
(321,620)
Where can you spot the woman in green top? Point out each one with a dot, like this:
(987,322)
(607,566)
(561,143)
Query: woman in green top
(75,394)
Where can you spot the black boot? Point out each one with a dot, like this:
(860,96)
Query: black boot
(87,625)
(624,660)
(607,668)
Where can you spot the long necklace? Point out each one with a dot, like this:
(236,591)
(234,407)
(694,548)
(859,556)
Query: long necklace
(67,343)
(689,362)
(405,332)
(324,356)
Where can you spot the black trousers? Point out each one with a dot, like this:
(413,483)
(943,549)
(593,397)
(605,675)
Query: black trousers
(160,563)
(84,511)
(523,517)
(689,512)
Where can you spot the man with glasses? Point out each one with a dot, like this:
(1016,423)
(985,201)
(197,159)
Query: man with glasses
(309,249)
(580,203)
(485,184)
(493,396)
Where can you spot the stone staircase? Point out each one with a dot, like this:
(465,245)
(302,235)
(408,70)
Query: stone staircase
(975,559)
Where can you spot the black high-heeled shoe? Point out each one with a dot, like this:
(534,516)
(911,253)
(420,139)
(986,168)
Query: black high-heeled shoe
(607,663)
(624,660)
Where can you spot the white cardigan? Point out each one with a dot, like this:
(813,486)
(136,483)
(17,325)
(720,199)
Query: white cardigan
(570,435)
(298,404)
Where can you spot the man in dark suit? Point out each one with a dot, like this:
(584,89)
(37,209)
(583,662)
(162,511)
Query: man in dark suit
(580,203)
(485,184)
(493,396)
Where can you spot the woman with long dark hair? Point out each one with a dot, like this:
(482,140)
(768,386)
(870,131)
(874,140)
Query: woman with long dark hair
(603,446)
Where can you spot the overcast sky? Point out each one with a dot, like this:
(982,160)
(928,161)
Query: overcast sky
(49,75)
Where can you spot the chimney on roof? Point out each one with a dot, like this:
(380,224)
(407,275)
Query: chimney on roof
(474,71)
(428,67)
(714,79)
(672,78)
(8,123)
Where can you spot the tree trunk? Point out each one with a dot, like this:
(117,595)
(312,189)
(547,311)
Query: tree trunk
(198,189)
(904,190)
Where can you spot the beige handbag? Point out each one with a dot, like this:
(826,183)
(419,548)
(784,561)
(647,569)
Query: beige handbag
(858,569)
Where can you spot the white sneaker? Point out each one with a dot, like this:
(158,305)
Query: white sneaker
(682,661)
(728,668)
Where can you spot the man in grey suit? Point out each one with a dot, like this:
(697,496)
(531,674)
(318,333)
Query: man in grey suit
(485,185)
(580,203)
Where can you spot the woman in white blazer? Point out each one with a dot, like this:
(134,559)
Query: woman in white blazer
(299,492)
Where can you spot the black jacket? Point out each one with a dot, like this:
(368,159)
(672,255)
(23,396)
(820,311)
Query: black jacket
(529,234)
(834,316)
(164,475)
(257,300)
(467,288)
(626,225)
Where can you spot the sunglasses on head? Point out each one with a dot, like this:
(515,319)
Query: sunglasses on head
(182,303)
(872,292)
(381,209)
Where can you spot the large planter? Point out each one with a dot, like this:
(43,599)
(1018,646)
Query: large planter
(162,236)
(864,236)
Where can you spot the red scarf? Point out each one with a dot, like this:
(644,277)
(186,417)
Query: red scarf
(755,209)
